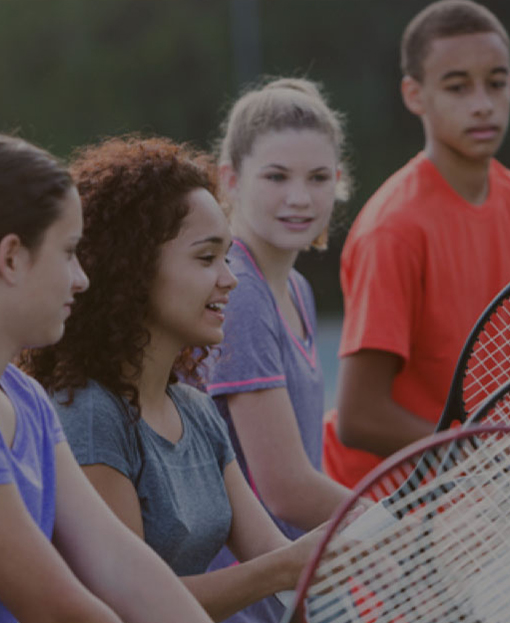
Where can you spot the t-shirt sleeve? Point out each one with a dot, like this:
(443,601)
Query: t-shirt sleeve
(34,408)
(381,284)
(97,430)
(250,354)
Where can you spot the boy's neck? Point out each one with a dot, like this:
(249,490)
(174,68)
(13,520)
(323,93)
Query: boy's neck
(469,178)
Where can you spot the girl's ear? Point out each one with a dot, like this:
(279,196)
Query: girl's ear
(412,95)
(13,256)
(228,180)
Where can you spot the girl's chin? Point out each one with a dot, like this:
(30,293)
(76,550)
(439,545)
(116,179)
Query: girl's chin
(208,341)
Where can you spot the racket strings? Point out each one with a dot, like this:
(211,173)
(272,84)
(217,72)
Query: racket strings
(445,561)
(431,487)
(425,591)
(499,413)
(489,364)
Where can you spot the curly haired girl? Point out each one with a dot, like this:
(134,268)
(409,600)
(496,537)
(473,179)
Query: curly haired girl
(155,245)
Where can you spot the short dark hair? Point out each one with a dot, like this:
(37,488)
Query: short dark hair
(441,19)
(32,181)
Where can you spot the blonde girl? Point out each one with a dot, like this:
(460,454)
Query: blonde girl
(281,168)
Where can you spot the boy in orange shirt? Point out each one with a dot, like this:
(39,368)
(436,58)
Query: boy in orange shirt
(431,248)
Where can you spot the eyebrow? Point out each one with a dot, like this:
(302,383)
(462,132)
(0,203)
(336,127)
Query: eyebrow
(457,73)
(274,166)
(209,240)
(283,168)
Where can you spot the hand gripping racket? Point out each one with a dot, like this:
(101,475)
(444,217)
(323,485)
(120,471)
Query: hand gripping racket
(484,363)
(441,553)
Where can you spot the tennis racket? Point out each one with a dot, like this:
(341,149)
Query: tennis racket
(439,554)
(495,409)
(483,365)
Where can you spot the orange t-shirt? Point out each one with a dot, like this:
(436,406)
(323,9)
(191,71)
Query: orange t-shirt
(419,266)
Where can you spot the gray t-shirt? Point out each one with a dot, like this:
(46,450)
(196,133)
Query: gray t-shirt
(185,508)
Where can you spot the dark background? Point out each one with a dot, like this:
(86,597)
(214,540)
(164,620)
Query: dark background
(72,71)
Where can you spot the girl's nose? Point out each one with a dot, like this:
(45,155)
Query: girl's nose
(81,281)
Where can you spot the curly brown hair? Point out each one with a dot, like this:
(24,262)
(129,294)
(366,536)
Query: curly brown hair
(133,192)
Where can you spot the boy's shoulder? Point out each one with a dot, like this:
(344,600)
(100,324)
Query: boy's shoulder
(500,174)
(401,197)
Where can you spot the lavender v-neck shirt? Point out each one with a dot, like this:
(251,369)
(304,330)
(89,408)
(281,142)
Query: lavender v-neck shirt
(260,351)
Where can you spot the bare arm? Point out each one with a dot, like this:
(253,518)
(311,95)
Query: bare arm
(36,585)
(119,493)
(286,480)
(368,417)
(110,560)
(272,563)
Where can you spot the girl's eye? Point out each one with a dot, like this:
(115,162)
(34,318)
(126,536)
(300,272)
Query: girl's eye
(275,177)
(207,259)
(321,177)
(456,88)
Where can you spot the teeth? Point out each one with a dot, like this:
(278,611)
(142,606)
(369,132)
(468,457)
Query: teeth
(216,306)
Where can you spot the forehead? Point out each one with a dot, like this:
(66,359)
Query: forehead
(469,54)
(204,220)
(294,145)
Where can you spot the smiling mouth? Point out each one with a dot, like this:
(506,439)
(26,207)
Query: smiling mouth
(298,220)
(216,307)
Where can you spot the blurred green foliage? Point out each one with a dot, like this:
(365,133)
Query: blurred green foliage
(72,71)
